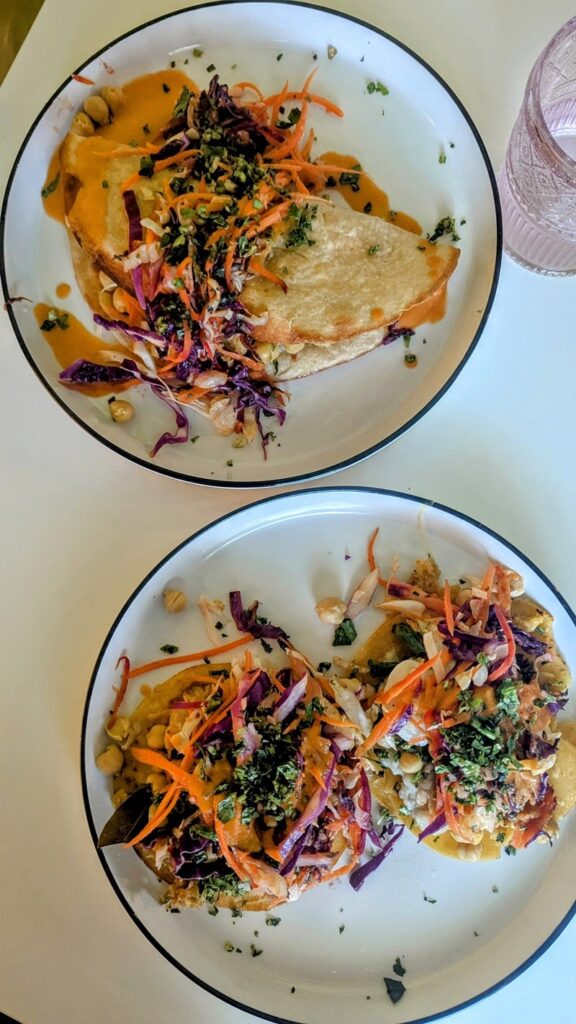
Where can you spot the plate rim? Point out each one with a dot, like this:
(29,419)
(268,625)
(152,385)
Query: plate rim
(339,465)
(303,493)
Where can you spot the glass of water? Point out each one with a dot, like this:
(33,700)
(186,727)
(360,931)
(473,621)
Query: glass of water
(537,182)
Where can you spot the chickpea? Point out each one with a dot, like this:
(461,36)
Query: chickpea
(175,601)
(121,411)
(97,109)
(157,781)
(82,125)
(110,761)
(113,97)
(410,763)
(332,610)
(155,737)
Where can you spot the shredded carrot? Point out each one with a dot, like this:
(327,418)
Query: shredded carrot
(252,86)
(176,159)
(371,542)
(381,729)
(258,268)
(226,851)
(181,659)
(344,870)
(393,692)
(166,805)
(83,79)
(121,689)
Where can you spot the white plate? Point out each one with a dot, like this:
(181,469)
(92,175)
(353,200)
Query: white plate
(344,414)
(490,921)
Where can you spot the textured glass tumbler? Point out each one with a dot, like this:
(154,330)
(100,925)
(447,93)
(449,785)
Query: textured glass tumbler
(538,180)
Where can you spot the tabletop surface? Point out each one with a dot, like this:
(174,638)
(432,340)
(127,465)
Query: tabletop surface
(499,446)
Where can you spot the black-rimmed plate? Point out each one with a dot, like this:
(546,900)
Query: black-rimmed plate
(461,929)
(417,142)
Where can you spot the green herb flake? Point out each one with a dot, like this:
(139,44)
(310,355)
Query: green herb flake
(105,184)
(367,208)
(341,928)
(344,634)
(213,911)
(194,439)
(429,899)
(211,68)
(169,648)
(350,178)
(50,187)
(292,990)
(146,129)
(257,204)
(410,359)
(442,158)
(197,52)
(410,639)
(324,666)
(273,922)
(229,947)
(165,88)
(55,319)
(377,87)
(226,809)
(146,166)
(445,226)
(279,56)
(254,951)
(229,462)
(172,63)
(398,968)
(395,989)
(373,249)
(182,102)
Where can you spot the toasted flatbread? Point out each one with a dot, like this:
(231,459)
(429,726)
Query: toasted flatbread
(359,275)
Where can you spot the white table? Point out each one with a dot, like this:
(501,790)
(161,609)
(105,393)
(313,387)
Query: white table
(499,446)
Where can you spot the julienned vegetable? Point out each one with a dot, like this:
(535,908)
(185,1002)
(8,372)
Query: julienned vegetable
(256,782)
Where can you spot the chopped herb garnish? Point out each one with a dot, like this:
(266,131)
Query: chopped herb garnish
(445,226)
(510,850)
(395,989)
(273,922)
(267,647)
(442,158)
(293,117)
(495,888)
(293,989)
(429,899)
(344,634)
(226,809)
(398,968)
(211,67)
(254,951)
(165,88)
(324,666)
(300,218)
(377,87)
(368,208)
(197,52)
(50,187)
(194,439)
(105,184)
(341,928)
(349,178)
(182,102)
(313,706)
(229,947)
(169,648)
(279,56)
(451,144)
(213,910)
(410,639)
(172,63)
(55,319)
(146,129)
(410,359)
(380,669)
(373,249)
(146,166)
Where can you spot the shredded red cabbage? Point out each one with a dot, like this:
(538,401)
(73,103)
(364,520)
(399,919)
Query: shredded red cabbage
(248,621)
(133,214)
(437,823)
(360,874)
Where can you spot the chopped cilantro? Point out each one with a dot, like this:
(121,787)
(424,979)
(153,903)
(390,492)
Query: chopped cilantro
(368,208)
(254,951)
(510,850)
(344,634)
(172,63)
(169,648)
(165,88)
(395,989)
(267,647)
(211,68)
(410,639)
(507,698)
(55,319)
(350,178)
(213,910)
(229,947)
(146,166)
(377,87)
(146,129)
(300,219)
(429,899)
(373,249)
(50,187)
(279,56)
(273,922)
(105,184)
(324,666)
(293,117)
(226,809)
(442,158)
(293,989)
(182,102)
(341,928)
(410,359)
(197,52)
(194,439)
(398,968)
(452,145)
(445,226)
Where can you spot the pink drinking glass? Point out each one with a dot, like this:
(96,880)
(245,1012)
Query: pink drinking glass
(537,182)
